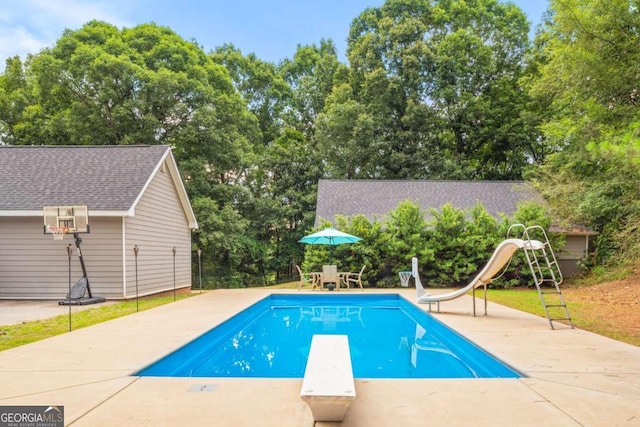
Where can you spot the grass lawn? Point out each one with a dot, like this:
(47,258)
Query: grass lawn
(27,332)
(588,310)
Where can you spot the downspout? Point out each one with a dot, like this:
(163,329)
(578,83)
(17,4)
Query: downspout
(587,255)
(586,247)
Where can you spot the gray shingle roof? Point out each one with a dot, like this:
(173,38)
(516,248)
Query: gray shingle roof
(374,198)
(101,177)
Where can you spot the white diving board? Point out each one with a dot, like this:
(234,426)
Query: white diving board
(328,387)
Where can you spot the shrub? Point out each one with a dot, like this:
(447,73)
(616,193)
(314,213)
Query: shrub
(451,246)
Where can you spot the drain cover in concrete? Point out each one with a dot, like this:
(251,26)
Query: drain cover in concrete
(199,388)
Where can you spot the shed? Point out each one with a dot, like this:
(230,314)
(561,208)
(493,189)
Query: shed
(135,197)
(376,198)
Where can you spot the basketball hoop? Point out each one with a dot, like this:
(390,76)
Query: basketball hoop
(58,232)
(61,220)
(405,276)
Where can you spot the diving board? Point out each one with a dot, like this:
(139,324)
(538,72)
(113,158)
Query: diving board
(328,387)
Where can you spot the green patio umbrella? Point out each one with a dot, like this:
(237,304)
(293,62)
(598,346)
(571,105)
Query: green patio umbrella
(329,236)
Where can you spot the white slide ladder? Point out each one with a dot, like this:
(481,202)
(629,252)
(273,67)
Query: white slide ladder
(546,273)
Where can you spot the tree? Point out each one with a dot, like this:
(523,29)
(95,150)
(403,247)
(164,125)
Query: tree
(432,92)
(407,230)
(266,93)
(99,85)
(590,68)
(282,181)
(311,76)
(590,64)
(144,85)
(14,100)
(282,208)
(232,257)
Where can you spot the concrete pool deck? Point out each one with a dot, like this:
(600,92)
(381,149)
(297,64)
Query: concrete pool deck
(575,378)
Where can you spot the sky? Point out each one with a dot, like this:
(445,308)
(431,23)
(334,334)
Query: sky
(271,29)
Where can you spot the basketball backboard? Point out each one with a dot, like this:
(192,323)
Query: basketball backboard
(65,219)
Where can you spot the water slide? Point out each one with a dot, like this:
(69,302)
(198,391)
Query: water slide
(498,260)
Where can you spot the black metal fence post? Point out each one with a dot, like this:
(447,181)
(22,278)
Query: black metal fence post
(174,273)
(200,268)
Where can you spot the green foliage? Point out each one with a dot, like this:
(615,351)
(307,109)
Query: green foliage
(589,55)
(432,92)
(283,188)
(282,179)
(14,100)
(370,254)
(145,85)
(532,213)
(451,246)
(599,193)
(310,76)
(228,251)
(590,67)
(407,231)
(262,86)
(461,241)
(100,85)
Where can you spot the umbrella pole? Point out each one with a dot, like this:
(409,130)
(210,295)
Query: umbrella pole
(331,251)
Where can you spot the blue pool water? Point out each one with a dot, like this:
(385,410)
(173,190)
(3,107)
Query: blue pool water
(388,338)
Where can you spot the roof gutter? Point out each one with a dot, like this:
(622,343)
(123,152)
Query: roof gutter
(92,212)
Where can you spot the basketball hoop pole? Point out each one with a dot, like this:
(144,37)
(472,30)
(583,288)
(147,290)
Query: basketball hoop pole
(78,240)
(61,220)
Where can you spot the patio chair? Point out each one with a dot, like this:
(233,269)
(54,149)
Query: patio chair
(355,278)
(306,278)
(330,275)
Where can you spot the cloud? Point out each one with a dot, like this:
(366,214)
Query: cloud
(27,26)
(18,41)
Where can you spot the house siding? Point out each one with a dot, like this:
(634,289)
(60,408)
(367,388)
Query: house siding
(34,266)
(135,197)
(574,251)
(158,225)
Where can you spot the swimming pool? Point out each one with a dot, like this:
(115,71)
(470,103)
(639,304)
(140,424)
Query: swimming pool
(388,338)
